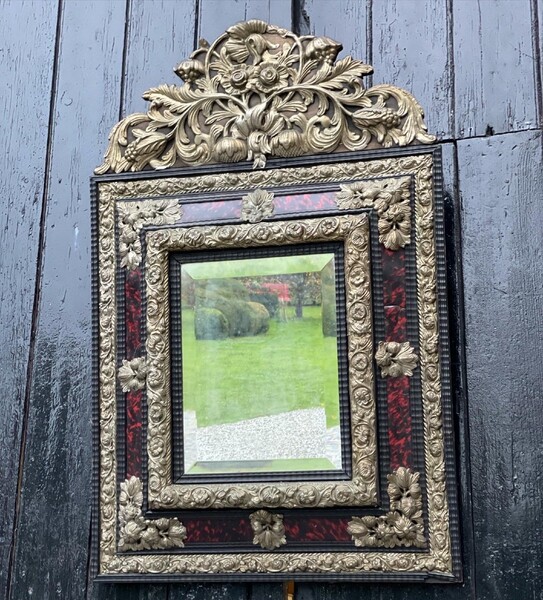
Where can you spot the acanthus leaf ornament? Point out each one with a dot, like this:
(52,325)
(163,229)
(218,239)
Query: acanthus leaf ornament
(396,359)
(138,533)
(402,525)
(261,91)
(257,205)
(390,198)
(133,374)
(268,529)
(135,215)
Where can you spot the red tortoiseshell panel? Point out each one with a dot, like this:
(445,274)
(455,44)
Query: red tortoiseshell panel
(238,529)
(394,278)
(399,422)
(399,417)
(133,348)
(317,529)
(211,211)
(304,202)
(225,529)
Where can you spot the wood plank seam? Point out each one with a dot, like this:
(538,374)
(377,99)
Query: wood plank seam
(37,295)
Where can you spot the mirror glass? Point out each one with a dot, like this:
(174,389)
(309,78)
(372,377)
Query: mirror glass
(259,354)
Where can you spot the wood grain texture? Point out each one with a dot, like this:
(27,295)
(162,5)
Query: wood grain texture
(53,530)
(345,21)
(537,42)
(411,50)
(216,16)
(160,35)
(494,67)
(26,73)
(501,182)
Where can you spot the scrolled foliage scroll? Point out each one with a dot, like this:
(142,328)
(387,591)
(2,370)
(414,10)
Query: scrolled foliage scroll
(261,91)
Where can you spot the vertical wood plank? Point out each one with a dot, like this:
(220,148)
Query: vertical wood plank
(537,42)
(26,73)
(344,21)
(215,16)
(53,528)
(160,36)
(502,182)
(410,50)
(494,67)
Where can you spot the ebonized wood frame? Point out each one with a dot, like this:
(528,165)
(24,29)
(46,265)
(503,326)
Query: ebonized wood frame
(440,562)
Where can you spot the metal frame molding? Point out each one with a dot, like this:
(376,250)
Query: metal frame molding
(321,170)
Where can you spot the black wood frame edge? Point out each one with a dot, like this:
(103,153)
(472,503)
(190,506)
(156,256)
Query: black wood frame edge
(95,409)
(416,409)
(444,360)
(455,299)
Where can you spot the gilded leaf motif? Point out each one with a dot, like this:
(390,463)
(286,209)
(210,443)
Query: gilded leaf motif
(269,93)
(396,359)
(138,533)
(268,528)
(403,525)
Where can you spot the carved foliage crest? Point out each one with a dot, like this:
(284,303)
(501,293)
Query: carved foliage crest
(261,91)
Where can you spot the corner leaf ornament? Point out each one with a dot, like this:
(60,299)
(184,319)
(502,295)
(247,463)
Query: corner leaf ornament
(403,525)
(261,91)
(138,533)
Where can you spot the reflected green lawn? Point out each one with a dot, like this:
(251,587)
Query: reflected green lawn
(291,367)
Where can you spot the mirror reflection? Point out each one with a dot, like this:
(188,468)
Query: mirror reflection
(260,365)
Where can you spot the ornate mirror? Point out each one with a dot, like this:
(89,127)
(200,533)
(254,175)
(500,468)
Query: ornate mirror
(271,348)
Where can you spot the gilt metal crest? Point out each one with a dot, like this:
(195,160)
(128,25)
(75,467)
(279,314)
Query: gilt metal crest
(261,91)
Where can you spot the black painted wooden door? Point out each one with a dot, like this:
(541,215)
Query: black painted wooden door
(70,69)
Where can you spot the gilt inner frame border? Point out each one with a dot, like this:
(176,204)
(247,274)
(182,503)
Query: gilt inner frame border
(438,562)
(353,230)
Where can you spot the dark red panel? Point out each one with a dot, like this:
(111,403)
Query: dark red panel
(133,313)
(399,422)
(317,529)
(399,417)
(211,211)
(133,349)
(395,324)
(393,277)
(238,529)
(209,531)
(304,202)
(133,433)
